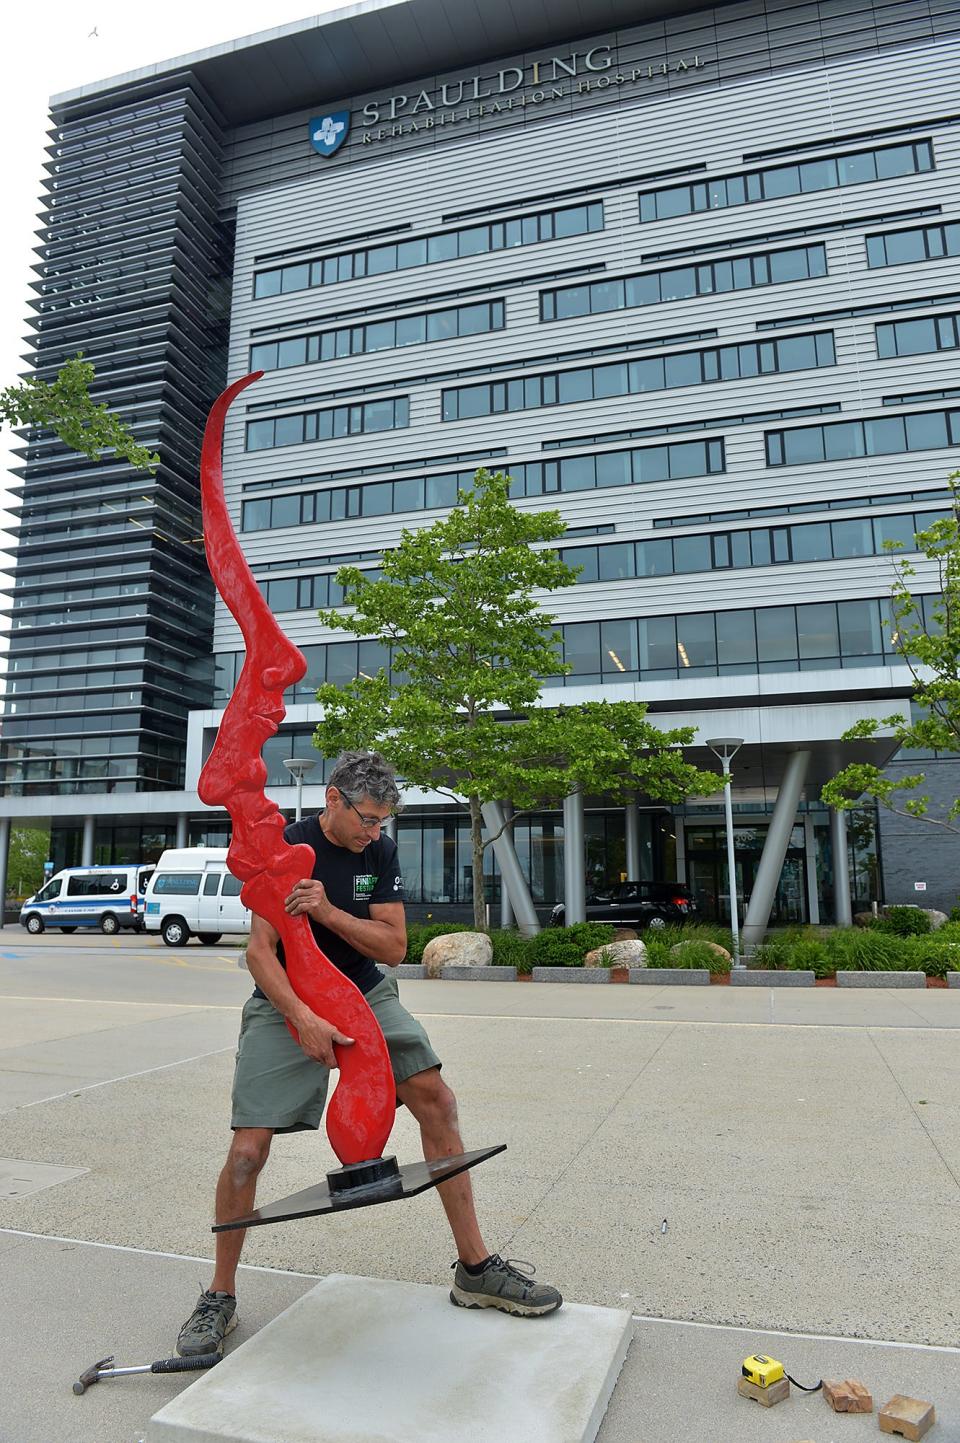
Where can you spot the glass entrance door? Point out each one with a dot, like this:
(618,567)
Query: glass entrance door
(706,849)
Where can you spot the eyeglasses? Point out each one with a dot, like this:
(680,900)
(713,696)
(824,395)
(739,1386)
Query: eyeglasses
(369,824)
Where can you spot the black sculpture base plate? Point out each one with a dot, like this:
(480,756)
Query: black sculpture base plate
(325,1197)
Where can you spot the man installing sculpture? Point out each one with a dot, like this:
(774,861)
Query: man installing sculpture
(354,903)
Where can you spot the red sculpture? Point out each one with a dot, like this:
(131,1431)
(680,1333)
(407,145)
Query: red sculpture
(361,1112)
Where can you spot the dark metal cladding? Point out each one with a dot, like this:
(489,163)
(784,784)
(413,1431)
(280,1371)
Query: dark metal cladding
(112,601)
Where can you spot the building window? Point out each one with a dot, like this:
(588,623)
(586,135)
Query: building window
(474,240)
(774,182)
(648,288)
(917,336)
(847,440)
(391,414)
(908,247)
(381,335)
(653,373)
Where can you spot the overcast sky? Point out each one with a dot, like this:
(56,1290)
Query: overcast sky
(51,47)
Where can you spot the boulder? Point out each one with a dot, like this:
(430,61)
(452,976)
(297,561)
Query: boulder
(937,919)
(863,919)
(625,934)
(631,953)
(715,948)
(457,949)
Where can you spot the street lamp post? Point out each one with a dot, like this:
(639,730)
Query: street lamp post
(726,748)
(298,767)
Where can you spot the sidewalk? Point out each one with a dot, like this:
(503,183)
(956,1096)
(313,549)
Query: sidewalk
(804,1148)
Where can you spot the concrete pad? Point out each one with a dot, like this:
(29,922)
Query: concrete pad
(358,1360)
(751,977)
(478,974)
(881,979)
(669,976)
(410,970)
(571,974)
(953,979)
(19,1178)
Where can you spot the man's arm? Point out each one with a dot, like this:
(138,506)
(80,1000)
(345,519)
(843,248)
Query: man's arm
(316,1036)
(382,936)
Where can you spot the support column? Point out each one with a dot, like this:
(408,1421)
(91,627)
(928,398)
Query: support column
(631,818)
(775,849)
(182,837)
(843,909)
(681,837)
(506,911)
(390,828)
(513,879)
(574,875)
(86,846)
(810,852)
(4,855)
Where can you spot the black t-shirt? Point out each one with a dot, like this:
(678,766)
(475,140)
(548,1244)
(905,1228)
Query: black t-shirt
(352,880)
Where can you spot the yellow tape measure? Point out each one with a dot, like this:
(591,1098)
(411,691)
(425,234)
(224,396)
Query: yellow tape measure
(761,1370)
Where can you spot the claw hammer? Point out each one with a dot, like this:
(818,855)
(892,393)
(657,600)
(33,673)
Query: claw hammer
(102,1369)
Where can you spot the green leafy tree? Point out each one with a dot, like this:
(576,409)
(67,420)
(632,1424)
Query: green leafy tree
(470,648)
(932,652)
(29,849)
(66,407)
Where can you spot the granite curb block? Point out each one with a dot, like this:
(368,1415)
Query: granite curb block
(478,974)
(408,969)
(749,977)
(881,979)
(953,979)
(571,974)
(670,976)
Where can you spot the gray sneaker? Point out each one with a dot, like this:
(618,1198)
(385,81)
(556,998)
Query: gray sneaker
(211,1320)
(508,1286)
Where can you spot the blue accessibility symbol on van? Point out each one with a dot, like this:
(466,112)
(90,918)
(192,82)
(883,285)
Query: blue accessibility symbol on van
(328,132)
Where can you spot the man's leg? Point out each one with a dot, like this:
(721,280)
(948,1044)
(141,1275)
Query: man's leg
(480,1281)
(215,1314)
(434,1106)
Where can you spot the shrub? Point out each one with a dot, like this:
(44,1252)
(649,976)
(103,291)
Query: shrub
(853,949)
(511,950)
(696,952)
(420,933)
(934,955)
(567,946)
(904,922)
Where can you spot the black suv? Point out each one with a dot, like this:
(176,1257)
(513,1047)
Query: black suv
(637,904)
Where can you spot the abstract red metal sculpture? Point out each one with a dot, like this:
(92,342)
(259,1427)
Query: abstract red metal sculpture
(361,1112)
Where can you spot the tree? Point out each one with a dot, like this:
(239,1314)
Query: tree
(29,849)
(930,647)
(470,647)
(66,407)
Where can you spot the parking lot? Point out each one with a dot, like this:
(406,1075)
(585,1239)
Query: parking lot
(803,1147)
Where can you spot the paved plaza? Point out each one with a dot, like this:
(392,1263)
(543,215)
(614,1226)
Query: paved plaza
(803,1147)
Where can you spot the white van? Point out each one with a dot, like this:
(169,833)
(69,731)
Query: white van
(192,893)
(104,897)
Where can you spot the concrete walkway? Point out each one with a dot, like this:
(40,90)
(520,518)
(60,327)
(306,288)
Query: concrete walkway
(803,1147)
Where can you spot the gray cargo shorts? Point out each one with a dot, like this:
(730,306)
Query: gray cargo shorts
(277,1085)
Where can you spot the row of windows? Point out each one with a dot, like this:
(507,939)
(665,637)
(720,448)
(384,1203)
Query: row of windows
(766,268)
(392,414)
(836,503)
(826,173)
(846,440)
(712,423)
(920,243)
(655,373)
(379,336)
(627,560)
(913,338)
(79,593)
(793,232)
(875,308)
(426,250)
(532,478)
(769,639)
(765,546)
(344,473)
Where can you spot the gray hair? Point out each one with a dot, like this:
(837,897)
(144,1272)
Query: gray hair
(365,774)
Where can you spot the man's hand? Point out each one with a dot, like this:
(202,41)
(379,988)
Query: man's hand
(309,898)
(317,1038)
